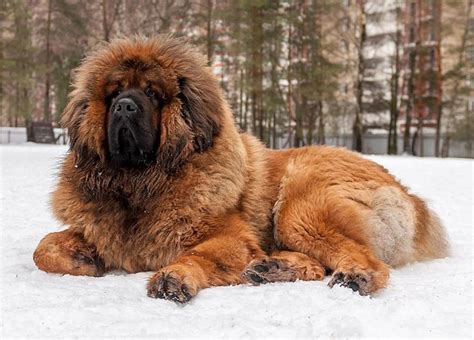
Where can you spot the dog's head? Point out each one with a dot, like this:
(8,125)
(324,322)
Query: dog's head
(139,101)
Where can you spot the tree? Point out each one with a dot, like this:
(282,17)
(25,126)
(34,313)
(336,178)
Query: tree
(357,129)
(313,74)
(110,10)
(16,62)
(47,83)
(392,145)
(455,80)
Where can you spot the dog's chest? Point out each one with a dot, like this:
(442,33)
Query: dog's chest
(135,242)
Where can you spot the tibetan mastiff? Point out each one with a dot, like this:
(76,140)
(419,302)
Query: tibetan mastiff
(158,178)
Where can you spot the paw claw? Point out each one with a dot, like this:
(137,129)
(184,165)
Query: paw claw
(169,288)
(337,278)
(356,281)
(353,285)
(252,277)
(260,268)
(257,271)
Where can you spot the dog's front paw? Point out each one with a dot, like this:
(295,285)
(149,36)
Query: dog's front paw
(265,270)
(363,281)
(172,285)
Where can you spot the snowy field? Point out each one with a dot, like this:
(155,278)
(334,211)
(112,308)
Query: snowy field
(429,299)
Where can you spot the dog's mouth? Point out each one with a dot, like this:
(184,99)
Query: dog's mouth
(126,141)
(127,146)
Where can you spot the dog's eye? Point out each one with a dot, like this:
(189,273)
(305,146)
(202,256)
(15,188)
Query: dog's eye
(149,92)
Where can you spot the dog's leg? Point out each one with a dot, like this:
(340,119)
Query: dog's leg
(322,233)
(283,266)
(353,264)
(218,261)
(66,252)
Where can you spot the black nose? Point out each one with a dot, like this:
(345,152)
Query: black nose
(125,107)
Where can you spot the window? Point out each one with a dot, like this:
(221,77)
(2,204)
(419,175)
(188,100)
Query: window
(345,24)
(470,53)
(471,105)
(412,34)
(431,86)
(344,88)
(470,81)
(413,9)
(434,8)
(433,33)
(412,59)
(432,58)
(470,26)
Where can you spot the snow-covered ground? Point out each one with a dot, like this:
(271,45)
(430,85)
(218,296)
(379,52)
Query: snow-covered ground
(428,299)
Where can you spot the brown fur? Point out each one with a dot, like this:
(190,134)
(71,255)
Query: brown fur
(215,202)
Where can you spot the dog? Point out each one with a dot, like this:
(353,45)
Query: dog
(158,178)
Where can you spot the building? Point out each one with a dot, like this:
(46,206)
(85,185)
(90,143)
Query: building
(457,49)
(421,93)
(383,34)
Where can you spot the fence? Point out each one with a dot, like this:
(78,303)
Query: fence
(372,144)
(377,145)
(12,135)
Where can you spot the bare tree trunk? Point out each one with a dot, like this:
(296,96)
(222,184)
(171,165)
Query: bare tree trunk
(209,31)
(311,124)
(409,105)
(246,113)
(414,141)
(438,131)
(392,145)
(392,130)
(256,70)
(406,134)
(108,23)
(105,26)
(411,96)
(357,128)
(439,96)
(321,125)
(2,18)
(261,118)
(418,139)
(47,114)
(274,131)
(254,112)
(290,85)
(241,97)
(299,122)
(14,120)
(445,148)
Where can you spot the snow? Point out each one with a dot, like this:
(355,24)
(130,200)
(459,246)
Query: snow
(428,299)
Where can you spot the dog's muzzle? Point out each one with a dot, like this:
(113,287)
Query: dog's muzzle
(123,117)
(123,134)
(122,137)
(131,136)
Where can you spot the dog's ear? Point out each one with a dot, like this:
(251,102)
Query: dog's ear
(72,117)
(199,109)
(188,125)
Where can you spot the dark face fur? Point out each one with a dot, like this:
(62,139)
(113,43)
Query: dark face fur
(131,135)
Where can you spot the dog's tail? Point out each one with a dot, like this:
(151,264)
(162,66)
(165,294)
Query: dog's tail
(431,240)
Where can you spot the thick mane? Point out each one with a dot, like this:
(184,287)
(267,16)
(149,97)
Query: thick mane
(127,185)
(167,51)
(200,99)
